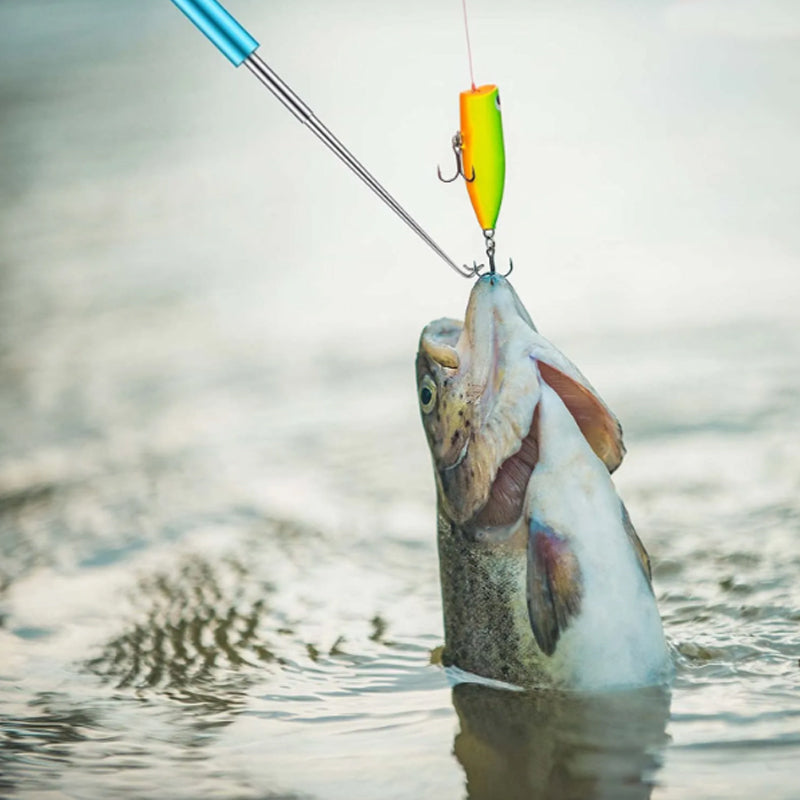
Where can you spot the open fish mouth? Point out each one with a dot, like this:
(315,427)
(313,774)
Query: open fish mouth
(507,495)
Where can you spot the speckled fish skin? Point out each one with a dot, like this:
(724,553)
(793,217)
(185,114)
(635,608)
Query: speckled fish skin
(544,580)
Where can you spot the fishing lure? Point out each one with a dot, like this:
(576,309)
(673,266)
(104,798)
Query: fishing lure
(480,153)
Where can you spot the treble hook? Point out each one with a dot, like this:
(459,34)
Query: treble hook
(488,236)
(458,145)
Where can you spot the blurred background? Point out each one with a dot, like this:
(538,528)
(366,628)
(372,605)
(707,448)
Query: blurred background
(217,530)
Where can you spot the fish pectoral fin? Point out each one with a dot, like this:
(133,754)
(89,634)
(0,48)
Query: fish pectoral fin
(599,426)
(555,585)
(638,547)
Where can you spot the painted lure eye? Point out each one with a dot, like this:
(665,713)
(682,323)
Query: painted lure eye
(427,394)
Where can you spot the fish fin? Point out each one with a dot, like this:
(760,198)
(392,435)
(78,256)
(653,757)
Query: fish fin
(599,426)
(638,547)
(555,585)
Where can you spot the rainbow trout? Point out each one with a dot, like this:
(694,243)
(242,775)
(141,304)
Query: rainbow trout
(544,579)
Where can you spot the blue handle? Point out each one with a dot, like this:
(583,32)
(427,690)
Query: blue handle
(232,40)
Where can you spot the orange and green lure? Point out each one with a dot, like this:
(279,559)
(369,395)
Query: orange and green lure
(480,154)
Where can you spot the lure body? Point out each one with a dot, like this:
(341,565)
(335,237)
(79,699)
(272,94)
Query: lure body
(481,159)
(483,152)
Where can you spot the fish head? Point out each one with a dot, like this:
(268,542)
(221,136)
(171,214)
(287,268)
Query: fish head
(479,384)
(477,392)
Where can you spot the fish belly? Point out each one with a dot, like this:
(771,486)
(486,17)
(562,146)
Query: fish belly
(616,640)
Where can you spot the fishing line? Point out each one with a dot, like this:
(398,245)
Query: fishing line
(469,47)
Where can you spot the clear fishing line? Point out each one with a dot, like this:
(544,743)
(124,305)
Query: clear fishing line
(469,46)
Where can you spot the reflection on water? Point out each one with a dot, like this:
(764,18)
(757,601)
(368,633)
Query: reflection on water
(43,737)
(193,641)
(550,745)
(218,569)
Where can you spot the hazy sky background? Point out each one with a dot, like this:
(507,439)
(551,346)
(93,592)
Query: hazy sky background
(653,167)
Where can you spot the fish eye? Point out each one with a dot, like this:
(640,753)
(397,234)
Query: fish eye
(427,394)
(497,101)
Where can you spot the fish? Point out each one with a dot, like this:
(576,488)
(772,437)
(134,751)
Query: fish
(544,580)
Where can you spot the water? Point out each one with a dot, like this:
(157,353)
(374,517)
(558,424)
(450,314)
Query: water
(218,571)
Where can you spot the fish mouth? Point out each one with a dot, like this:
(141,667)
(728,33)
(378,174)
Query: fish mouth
(507,495)
(459,459)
